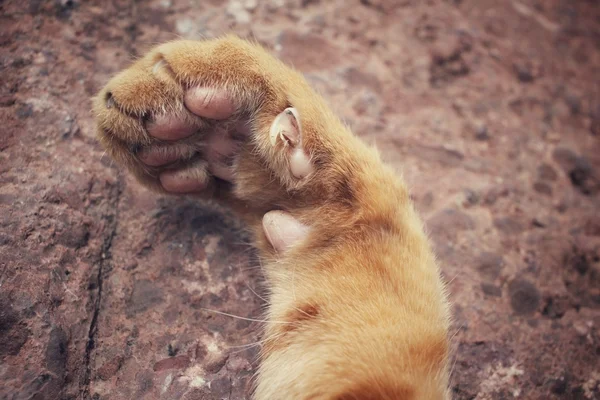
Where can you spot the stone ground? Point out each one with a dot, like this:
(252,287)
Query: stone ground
(490,108)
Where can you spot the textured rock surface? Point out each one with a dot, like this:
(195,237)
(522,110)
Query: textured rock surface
(491,110)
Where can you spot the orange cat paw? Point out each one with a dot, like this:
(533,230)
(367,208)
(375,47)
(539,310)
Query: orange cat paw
(181,116)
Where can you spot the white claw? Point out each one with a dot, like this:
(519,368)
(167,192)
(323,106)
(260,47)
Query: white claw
(286,127)
(158,66)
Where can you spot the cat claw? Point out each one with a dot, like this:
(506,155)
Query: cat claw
(287,129)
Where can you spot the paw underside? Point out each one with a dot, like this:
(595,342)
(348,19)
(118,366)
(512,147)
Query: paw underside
(180,125)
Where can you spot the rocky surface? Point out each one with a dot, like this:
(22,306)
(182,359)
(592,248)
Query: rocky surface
(490,109)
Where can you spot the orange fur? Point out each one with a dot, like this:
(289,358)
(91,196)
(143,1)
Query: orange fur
(357,309)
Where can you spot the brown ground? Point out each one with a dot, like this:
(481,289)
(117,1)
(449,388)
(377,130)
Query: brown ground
(491,108)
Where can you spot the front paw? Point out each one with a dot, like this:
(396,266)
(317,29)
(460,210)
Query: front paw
(171,139)
(176,136)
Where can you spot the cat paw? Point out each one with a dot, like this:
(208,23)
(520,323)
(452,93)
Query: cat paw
(186,113)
